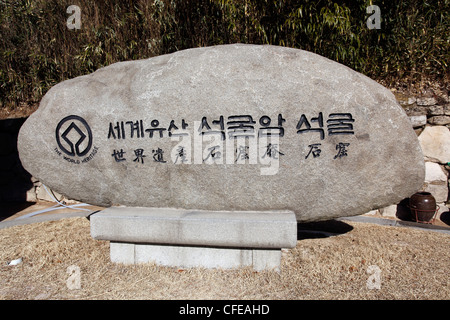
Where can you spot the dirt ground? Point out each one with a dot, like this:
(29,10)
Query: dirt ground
(365,261)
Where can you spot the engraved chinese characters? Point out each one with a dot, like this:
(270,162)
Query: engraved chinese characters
(235,127)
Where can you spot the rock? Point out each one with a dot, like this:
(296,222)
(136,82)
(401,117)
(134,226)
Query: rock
(372,212)
(436,181)
(435,143)
(435,110)
(403,99)
(30,195)
(191,130)
(447,110)
(426,101)
(411,100)
(389,211)
(439,120)
(418,121)
(415,110)
(47,195)
(434,172)
(439,191)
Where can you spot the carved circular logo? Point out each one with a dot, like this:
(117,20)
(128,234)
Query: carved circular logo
(74,136)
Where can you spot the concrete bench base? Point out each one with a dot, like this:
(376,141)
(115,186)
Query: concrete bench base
(192,238)
(191,257)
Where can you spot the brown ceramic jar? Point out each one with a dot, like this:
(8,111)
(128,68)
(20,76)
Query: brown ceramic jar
(423,206)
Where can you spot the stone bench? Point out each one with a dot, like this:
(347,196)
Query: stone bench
(193,238)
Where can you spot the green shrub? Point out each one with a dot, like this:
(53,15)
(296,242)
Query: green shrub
(38,50)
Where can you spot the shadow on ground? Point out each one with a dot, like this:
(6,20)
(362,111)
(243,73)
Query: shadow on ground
(15,181)
(445,217)
(321,229)
(9,209)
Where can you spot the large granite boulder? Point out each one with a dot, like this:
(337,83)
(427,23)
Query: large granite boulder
(234,127)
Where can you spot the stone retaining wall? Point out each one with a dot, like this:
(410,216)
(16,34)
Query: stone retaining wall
(434,137)
(430,118)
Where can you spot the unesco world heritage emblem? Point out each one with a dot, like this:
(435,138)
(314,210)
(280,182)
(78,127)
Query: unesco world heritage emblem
(71,135)
(74,139)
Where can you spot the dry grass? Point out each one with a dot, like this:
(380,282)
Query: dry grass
(414,264)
